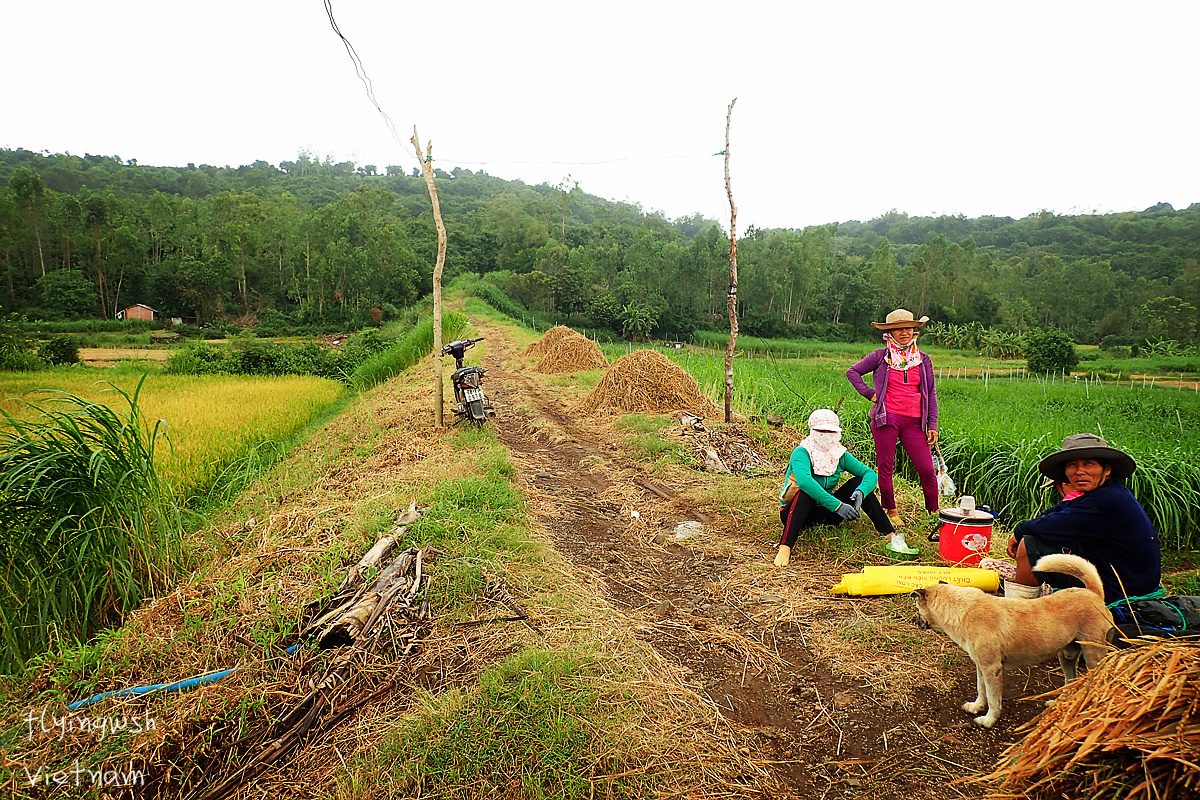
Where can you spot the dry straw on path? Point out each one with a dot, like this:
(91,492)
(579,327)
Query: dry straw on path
(1129,728)
(647,381)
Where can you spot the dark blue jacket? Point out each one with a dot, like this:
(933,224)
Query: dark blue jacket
(1110,528)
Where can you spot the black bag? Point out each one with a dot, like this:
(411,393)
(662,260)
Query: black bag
(1167,617)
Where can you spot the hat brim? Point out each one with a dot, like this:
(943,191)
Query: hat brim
(911,323)
(1053,466)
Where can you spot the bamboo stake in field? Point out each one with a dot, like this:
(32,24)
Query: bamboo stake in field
(427,171)
(733,279)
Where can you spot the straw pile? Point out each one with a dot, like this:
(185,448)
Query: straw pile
(647,381)
(571,352)
(1130,728)
(550,339)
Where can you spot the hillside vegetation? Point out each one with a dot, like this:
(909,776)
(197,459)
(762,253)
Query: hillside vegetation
(334,245)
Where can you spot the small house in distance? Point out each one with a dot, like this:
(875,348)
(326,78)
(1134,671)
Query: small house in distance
(138,311)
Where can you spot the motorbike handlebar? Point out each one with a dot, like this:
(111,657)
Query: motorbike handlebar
(460,345)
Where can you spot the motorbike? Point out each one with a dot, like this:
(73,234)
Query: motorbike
(470,401)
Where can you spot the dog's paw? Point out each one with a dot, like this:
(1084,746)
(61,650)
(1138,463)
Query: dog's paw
(985,721)
(975,706)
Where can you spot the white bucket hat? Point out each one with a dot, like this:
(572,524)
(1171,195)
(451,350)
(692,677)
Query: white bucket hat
(824,420)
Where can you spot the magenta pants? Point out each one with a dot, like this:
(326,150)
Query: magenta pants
(907,431)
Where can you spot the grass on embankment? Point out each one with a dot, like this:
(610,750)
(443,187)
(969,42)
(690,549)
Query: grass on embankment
(483,710)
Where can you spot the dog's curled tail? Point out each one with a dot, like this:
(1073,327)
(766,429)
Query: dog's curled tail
(1074,566)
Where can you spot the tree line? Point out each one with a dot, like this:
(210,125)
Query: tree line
(316,244)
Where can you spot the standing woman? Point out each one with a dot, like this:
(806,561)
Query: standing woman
(904,406)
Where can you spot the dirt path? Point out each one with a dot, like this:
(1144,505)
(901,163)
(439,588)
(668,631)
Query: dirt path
(106,356)
(825,733)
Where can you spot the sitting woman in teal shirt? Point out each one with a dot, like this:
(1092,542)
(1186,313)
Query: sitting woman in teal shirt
(810,494)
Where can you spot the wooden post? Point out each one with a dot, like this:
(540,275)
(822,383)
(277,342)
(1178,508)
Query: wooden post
(733,279)
(427,171)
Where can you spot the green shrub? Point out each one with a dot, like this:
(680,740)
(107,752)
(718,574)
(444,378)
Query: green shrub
(15,355)
(408,351)
(61,349)
(364,345)
(312,359)
(1050,351)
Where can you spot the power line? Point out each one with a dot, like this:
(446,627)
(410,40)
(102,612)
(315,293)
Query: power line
(582,163)
(361,72)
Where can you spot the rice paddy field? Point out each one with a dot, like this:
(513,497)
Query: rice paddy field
(210,420)
(995,428)
(97,475)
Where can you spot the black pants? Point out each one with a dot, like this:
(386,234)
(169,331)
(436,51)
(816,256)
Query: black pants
(803,512)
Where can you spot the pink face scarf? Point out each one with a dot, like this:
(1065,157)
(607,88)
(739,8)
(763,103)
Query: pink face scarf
(902,357)
(824,450)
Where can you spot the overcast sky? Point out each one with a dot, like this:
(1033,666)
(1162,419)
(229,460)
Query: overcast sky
(845,110)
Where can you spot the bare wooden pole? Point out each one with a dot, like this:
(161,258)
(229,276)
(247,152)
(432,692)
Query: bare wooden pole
(733,280)
(427,171)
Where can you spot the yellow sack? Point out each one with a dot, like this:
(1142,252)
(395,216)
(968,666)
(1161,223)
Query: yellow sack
(902,579)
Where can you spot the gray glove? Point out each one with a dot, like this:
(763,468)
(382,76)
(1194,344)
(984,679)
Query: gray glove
(856,500)
(846,511)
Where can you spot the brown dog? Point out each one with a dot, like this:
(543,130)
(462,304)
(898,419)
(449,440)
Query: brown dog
(999,632)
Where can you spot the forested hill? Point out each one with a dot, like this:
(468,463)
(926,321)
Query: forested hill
(318,243)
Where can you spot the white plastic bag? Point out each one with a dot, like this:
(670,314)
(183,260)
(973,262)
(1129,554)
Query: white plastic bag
(944,482)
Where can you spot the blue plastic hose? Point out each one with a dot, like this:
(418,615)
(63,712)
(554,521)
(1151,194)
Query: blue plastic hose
(179,686)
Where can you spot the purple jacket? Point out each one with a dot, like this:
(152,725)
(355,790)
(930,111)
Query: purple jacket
(876,363)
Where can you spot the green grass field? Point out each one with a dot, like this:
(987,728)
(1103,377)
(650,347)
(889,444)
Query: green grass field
(210,420)
(994,428)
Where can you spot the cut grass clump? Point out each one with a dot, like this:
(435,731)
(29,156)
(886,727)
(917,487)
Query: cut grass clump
(86,527)
(642,438)
(534,729)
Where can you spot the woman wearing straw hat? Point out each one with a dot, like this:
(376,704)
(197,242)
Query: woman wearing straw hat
(904,406)
(1098,519)
(808,496)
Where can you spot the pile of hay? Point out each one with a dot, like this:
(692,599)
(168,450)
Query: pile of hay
(572,352)
(1129,728)
(549,339)
(647,381)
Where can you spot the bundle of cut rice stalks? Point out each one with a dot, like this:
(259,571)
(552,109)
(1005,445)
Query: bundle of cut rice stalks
(549,339)
(647,381)
(573,353)
(1130,729)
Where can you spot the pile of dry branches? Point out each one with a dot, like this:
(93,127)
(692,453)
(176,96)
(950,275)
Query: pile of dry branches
(725,449)
(1129,728)
(360,621)
(647,381)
